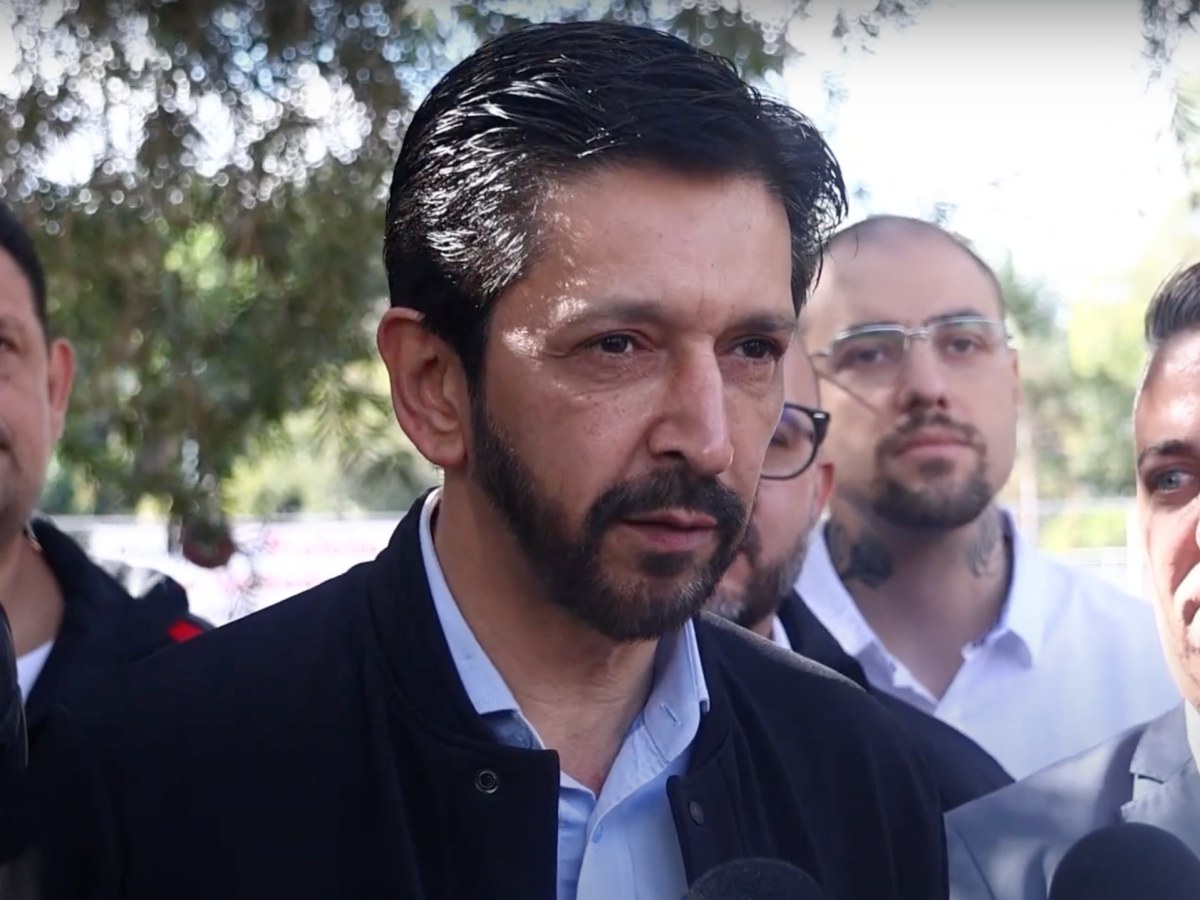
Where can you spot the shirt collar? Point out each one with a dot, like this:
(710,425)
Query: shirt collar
(484,684)
(779,634)
(1192,720)
(1023,617)
(678,697)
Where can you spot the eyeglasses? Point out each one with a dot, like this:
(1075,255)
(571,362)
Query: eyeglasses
(794,444)
(872,355)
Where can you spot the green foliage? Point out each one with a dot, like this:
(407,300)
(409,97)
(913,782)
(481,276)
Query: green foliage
(1163,23)
(207,179)
(207,182)
(1075,528)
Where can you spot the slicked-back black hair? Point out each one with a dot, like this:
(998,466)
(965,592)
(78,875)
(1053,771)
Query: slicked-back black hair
(16,242)
(552,102)
(1175,307)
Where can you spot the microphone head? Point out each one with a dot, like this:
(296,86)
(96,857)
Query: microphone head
(755,879)
(1129,861)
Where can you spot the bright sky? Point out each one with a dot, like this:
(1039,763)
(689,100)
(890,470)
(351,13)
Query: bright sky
(1037,121)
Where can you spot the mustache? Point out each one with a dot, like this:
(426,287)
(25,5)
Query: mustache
(968,433)
(671,489)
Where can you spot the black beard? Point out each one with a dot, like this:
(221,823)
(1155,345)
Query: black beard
(568,561)
(768,588)
(931,509)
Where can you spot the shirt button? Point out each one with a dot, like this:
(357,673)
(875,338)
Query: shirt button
(696,811)
(486,781)
(597,834)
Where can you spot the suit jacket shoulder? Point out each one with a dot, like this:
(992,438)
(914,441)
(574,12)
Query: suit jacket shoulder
(1008,844)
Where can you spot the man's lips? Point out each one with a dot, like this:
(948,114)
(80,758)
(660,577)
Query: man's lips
(1186,597)
(683,520)
(673,531)
(928,439)
(1189,610)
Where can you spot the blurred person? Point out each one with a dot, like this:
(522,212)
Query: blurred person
(1009,845)
(71,623)
(919,574)
(758,590)
(597,242)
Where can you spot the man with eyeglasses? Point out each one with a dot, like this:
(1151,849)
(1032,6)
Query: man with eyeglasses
(918,573)
(757,591)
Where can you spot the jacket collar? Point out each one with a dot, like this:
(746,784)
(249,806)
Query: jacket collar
(1166,782)
(88,638)
(810,638)
(422,669)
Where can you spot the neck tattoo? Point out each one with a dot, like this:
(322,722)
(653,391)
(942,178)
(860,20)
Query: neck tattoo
(866,560)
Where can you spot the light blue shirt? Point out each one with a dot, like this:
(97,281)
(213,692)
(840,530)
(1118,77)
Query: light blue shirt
(623,842)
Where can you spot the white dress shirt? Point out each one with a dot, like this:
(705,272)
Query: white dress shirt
(30,666)
(1072,661)
(622,843)
(1192,718)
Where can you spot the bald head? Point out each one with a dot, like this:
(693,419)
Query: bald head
(897,229)
(883,268)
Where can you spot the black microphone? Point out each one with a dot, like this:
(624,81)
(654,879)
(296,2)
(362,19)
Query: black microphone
(1129,861)
(755,879)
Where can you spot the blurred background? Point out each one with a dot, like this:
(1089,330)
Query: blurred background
(207,181)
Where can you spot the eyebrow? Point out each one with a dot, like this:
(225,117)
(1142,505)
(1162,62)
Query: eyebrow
(13,325)
(1170,447)
(630,312)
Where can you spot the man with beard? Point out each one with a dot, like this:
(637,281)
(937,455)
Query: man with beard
(758,591)
(1010,844)
(918,573)
(597,242)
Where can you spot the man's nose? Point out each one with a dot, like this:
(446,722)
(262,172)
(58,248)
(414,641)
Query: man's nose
(921,381)
(694,425)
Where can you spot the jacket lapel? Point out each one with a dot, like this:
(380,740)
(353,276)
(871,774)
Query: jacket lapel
(1166,782)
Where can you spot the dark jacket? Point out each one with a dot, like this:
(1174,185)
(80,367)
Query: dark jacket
(13,739)
(104,627)
(325,747)
(963,770)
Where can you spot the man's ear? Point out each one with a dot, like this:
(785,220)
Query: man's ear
(429,388)
(60,376)
(1018,393)
(823,484)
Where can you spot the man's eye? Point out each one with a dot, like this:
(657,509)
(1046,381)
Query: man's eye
(760,348)
(1168,481)
(617,344)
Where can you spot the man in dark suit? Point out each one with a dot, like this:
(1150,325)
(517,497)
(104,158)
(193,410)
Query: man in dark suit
(67,623)
(1009,845)
(597,242)
(71,622)
(758,590)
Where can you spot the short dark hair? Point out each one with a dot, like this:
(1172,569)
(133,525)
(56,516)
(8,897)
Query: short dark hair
(882,226)
(554,101)
(1175,307)
(18,244)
